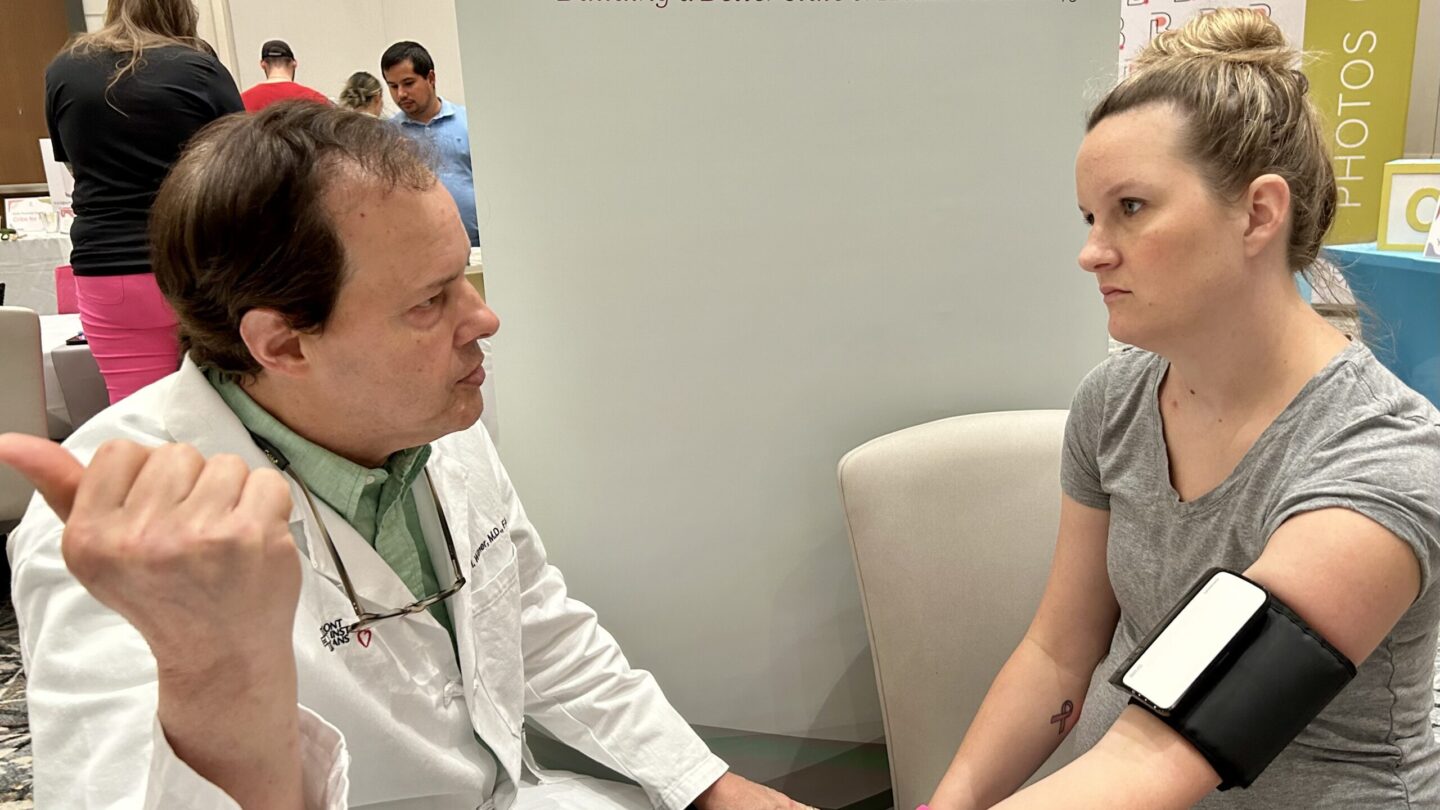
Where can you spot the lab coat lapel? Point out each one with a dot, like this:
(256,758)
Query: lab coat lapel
(195,414)
(497,725)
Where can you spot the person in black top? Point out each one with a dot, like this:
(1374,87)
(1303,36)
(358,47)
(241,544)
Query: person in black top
(120,104)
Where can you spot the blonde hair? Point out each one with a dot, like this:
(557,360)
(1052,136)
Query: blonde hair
(134,26)
(359,91)
(1247,110)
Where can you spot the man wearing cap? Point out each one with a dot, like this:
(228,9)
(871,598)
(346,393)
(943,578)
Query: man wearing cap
(279,63)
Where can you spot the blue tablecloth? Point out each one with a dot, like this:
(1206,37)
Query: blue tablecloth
(1399,297)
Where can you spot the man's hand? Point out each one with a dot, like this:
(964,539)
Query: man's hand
(197,555)
(731,792)
(174,543)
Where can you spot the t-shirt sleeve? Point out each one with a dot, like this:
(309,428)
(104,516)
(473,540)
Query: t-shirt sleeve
(53,81)
(220,88)
(1079,459)
(1385,467)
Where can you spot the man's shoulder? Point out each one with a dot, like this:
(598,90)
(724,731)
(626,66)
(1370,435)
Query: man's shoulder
(470,447)
(313,93)
(138,418)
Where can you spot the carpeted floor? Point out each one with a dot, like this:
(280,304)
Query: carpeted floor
(14,724)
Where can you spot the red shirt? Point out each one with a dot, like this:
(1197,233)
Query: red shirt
(264,94)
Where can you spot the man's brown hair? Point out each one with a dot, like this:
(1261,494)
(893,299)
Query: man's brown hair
(243,221)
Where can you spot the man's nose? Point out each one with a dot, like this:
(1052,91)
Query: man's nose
(480,321)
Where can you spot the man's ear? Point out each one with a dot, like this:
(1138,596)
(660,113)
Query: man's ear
(1267,208)
(273,343)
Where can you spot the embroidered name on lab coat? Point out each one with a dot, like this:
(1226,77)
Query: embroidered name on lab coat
(490,538)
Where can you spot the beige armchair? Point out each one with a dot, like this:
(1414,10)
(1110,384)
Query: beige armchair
(80,383)
(953,525)
(22,401)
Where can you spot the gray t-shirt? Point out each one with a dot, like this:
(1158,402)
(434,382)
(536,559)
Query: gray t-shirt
(1354,437)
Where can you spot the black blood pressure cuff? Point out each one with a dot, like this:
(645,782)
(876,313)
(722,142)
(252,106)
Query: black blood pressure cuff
(1254,698)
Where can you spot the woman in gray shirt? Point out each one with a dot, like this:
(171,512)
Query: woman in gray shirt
(1243,432)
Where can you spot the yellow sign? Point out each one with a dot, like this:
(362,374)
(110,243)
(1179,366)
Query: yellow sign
(1408,203)
(1360,80)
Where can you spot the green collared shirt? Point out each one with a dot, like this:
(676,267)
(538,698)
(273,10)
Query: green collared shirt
(378,503)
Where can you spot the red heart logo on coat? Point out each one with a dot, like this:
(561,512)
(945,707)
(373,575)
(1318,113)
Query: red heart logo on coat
(363,637)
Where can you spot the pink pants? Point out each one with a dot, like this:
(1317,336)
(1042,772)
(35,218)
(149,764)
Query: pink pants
(132,331)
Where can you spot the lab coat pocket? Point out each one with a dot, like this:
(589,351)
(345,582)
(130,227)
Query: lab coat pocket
(494,596)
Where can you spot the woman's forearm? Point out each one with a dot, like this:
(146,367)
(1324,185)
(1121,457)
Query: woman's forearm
(1140,764)
(1030,708)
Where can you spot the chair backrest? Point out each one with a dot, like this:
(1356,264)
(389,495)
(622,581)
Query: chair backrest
(80,383)
(953,526)
(22,399)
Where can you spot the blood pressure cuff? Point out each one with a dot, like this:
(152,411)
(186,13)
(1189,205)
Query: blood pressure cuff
(1254,698)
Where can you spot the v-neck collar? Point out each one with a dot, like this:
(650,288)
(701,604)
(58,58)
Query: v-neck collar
(1217,495)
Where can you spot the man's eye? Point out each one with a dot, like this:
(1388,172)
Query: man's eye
(1131,207)
(431,302)
(1089,218)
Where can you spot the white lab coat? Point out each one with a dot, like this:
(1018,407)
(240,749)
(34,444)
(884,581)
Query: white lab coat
(387,718)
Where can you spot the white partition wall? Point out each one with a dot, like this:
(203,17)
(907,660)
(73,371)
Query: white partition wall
(728,241)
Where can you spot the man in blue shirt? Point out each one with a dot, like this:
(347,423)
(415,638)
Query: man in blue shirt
(441,126)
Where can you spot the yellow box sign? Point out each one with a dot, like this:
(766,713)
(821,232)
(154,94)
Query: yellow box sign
(1409,204)
(1360,80)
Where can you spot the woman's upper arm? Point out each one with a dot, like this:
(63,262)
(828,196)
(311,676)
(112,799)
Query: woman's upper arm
(1354,541)
(1078,611)
(1347,576)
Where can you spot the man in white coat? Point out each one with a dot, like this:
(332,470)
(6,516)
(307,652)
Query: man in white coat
(294,573)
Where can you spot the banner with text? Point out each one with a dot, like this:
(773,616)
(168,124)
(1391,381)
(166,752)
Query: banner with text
(1364,52)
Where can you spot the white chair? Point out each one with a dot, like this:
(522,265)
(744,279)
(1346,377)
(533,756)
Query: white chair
(80,383)
(22,401)
(953,525)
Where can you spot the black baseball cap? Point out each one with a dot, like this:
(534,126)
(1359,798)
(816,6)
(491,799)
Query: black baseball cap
(276,49)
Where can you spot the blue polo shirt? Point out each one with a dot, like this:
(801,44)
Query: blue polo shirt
(448,137)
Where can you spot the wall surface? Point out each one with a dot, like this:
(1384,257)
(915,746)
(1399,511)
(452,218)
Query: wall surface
(1422,128)
(432,22)
(731,240)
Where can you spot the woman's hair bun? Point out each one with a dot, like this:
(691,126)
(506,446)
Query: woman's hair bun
(1238,35)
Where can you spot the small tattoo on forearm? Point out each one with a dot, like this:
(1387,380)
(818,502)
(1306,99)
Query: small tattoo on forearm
(1066,709)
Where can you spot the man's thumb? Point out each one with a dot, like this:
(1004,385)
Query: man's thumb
(50,467)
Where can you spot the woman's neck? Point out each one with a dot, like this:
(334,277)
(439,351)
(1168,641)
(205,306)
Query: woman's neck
(1256,359)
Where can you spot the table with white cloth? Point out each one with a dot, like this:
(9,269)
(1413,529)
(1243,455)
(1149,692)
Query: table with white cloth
(27,268)
(54,331)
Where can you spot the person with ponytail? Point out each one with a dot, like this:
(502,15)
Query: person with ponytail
(362,94)
(120,103)
(1242,432)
